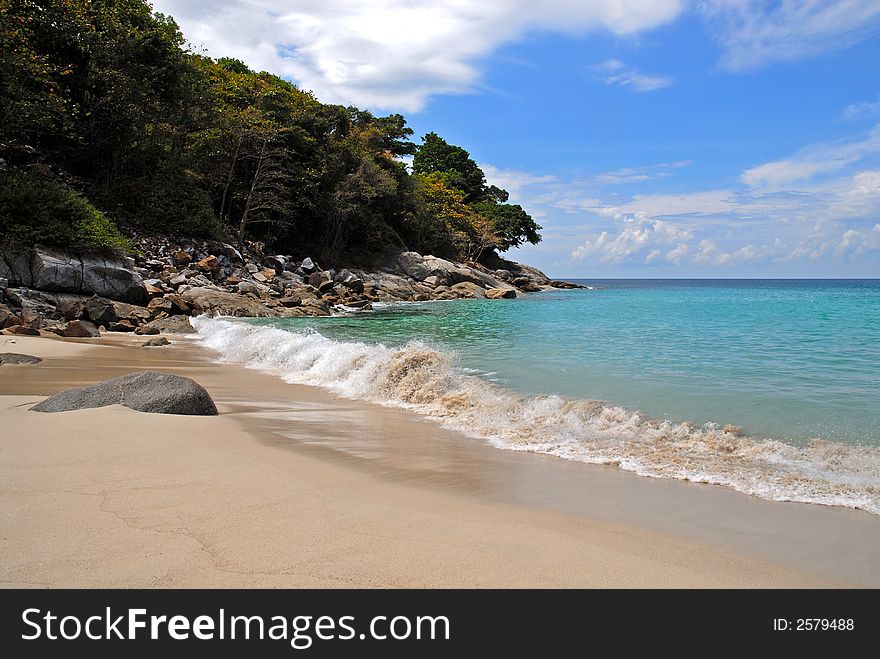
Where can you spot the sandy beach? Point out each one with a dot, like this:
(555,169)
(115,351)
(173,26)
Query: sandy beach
(292,487)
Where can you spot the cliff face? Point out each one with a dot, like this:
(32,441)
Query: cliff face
(73,295)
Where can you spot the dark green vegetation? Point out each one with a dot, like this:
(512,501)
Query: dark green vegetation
(102,107)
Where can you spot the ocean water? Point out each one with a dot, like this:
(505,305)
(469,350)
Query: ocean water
(771,387)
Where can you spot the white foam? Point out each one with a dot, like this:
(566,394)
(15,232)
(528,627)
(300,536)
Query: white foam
(428,381)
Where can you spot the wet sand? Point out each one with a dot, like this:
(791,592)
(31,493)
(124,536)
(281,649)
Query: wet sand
(291,486)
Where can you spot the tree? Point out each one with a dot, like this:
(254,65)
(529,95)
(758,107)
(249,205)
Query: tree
(460,171)
(511,224)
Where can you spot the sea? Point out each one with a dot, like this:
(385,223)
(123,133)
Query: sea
(769,387)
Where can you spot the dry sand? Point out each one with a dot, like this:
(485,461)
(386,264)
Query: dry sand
(291,487)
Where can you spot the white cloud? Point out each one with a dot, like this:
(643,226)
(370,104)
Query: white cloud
(754,33)
(615,72)
(812,160)
(857,110)
(392,54)
(512,180)
(634,239)
(639,174)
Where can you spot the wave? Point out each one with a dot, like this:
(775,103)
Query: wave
(428,381)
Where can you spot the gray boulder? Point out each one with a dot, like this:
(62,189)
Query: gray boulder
(223,303)
(14,358)
(100,311)
(53,270)
(147,391)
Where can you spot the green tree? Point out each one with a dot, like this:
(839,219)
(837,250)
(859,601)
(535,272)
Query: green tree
(461,172)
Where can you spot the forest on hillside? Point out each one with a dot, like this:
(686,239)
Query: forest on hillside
(109,121)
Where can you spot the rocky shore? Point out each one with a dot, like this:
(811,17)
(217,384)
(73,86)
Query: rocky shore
(154,292)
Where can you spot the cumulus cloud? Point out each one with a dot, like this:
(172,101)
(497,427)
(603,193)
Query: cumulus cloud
(392,54)
(614,72)
(754,33)
(638,237)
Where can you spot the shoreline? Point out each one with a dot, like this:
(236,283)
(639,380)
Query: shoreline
(325,491)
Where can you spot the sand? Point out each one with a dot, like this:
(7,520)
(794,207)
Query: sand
(292,487)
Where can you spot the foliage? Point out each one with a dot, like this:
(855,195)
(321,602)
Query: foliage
(171,141)
(35,209)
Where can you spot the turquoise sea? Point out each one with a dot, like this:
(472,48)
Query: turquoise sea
(771,387)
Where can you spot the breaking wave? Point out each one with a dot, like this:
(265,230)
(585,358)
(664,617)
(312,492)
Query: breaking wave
(429,382)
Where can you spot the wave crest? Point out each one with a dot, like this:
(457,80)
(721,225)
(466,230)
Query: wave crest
(428,381)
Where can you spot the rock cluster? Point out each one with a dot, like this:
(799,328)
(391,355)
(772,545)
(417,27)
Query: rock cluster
(169,281)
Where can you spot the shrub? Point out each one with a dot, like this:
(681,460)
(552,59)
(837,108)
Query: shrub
(38,209)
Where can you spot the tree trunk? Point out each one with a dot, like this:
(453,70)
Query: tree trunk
(229,180)
(247,205)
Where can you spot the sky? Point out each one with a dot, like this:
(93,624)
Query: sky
(649,138)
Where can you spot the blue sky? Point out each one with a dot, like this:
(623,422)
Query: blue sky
(650,138)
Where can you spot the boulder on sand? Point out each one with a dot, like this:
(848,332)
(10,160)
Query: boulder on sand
(78,329)
(12,358)
(147,391)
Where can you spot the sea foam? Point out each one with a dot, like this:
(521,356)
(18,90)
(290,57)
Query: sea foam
(428,381)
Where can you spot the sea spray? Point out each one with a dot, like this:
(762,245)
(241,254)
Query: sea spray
(429,382)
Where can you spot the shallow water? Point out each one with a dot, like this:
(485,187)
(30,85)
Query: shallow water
(790,362)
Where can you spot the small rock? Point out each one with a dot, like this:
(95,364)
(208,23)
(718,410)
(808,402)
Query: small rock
(260,277)
(308,266)
(156,343)
(291,301)
(80,329)
(251,268)
(501,294)
(209,264)
(145,330)
(71,309)
(23,330)
(14,358)
(180,257)
(326,286)
(122,326)
(178,280)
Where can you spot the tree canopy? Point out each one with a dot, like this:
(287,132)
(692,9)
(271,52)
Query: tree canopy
(104,98)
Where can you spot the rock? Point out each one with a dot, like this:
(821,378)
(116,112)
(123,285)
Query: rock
(276,263)
(169,325)
(179,257)
(468,289)
(134,314)
(260,277)
(178,280)
(233,280)
(55,270)
(254,287)
(209,264)
(558,283)
(519,282)
(153,287)
(501,293)
(308,266)
(156,343)
(354,283)
(147,391)
(159,305)
(326,286)
(79,329)
(71,309)
(145,330)
(251,268)
(7,318)
(421,297)
(503,275)
(363,305)
(23,330)
(413,265)
(342,275)
(268,273)
(217,302)
(291,301)
(99,310)
(433,281)
(122,326)
(14,358)
(318,278)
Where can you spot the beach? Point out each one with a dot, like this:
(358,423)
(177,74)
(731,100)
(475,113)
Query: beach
(291,486)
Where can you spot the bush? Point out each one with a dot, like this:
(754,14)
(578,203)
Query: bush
(37,209)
